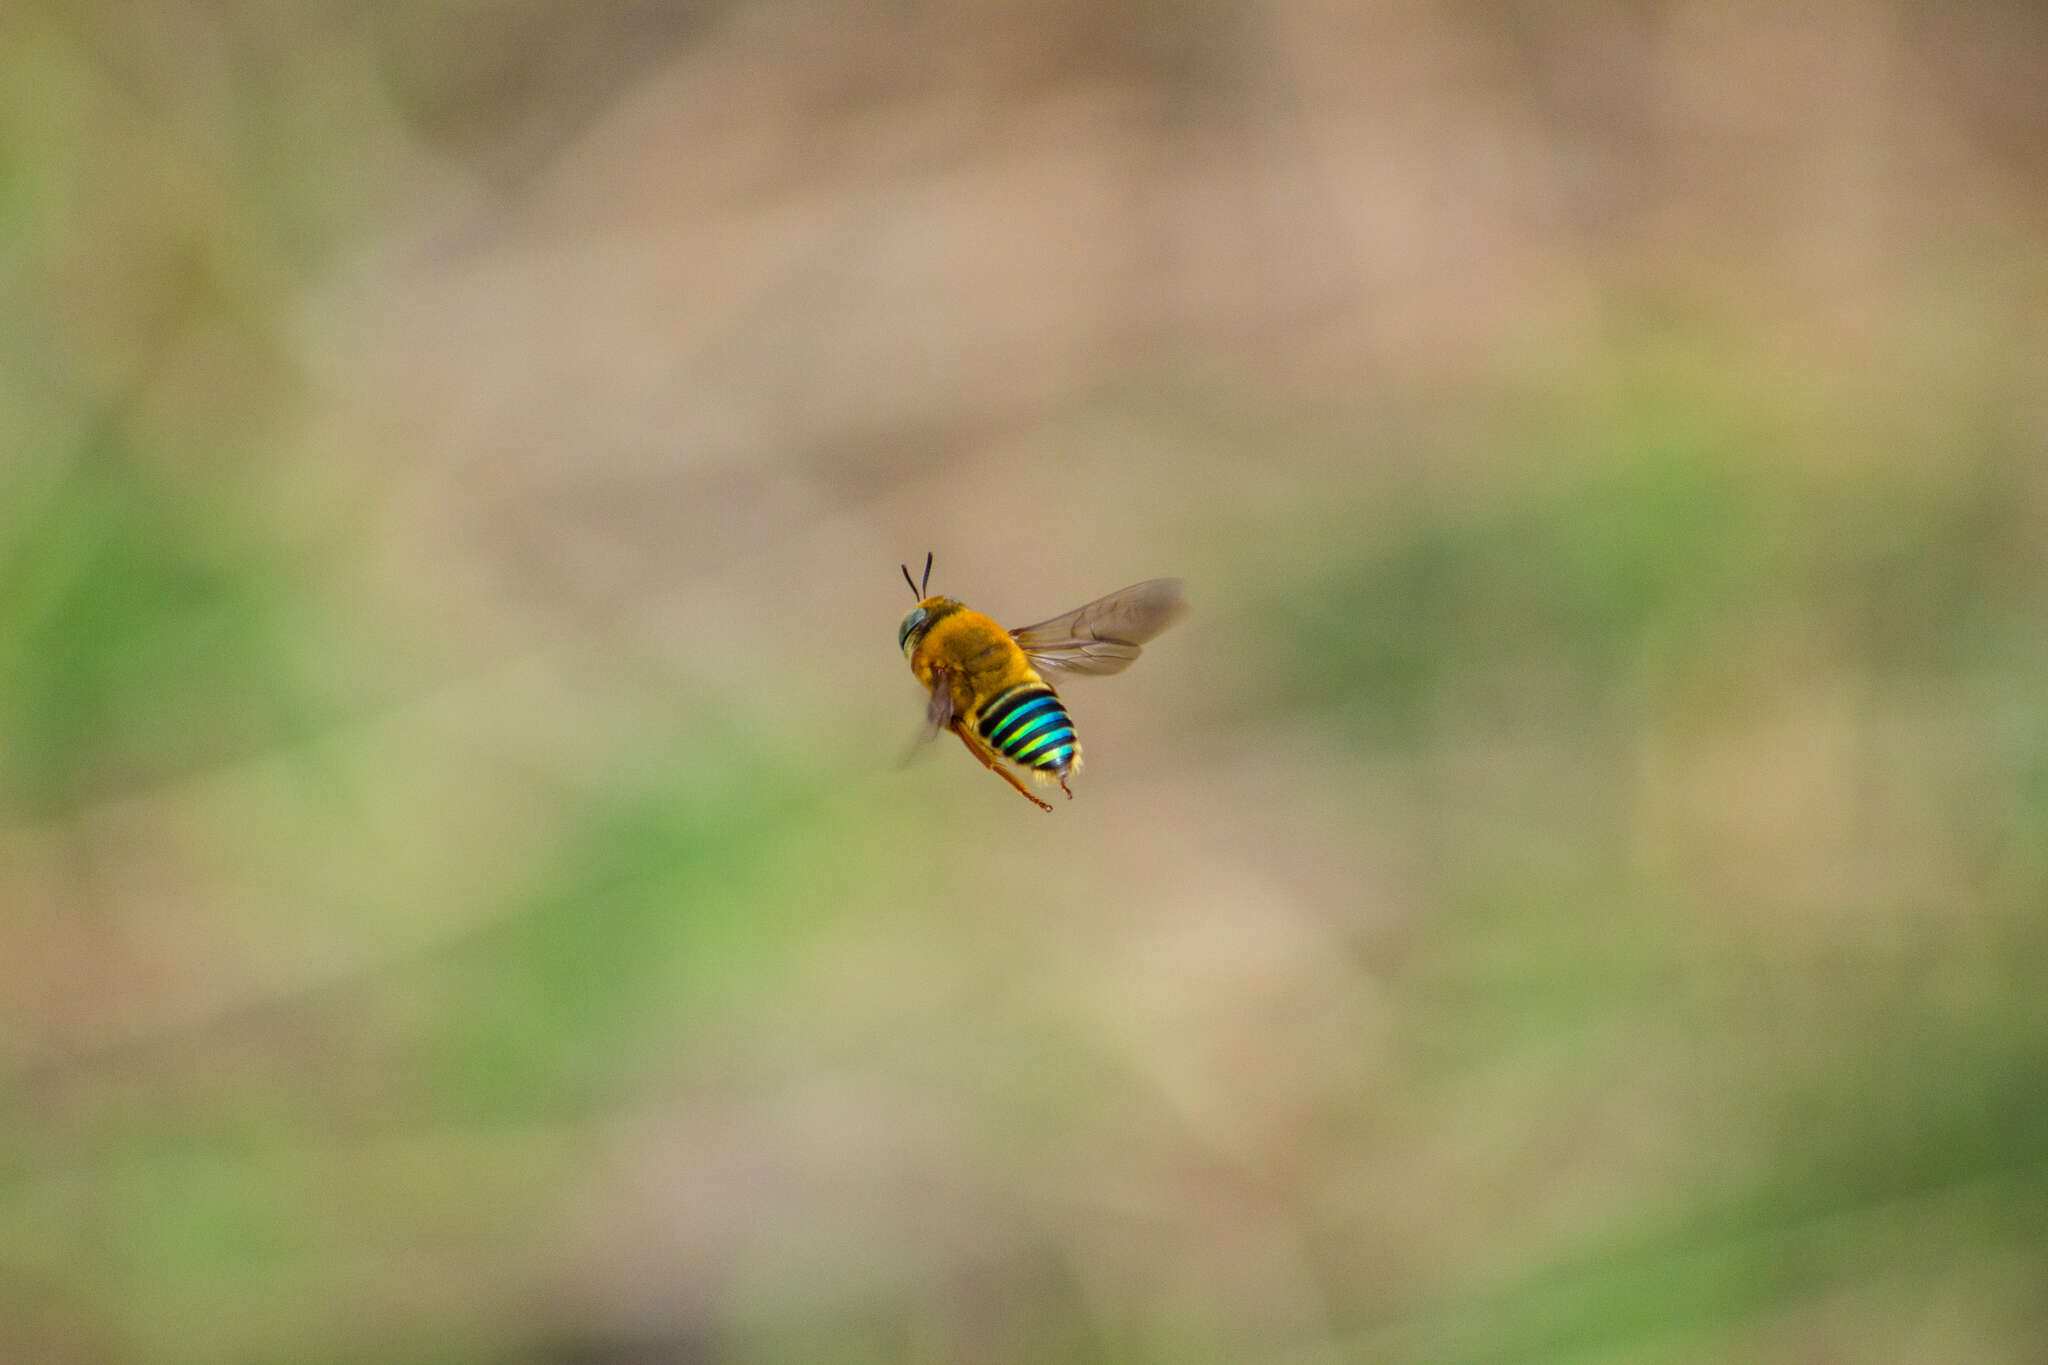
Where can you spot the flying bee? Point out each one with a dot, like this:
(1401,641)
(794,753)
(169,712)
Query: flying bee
(987,684)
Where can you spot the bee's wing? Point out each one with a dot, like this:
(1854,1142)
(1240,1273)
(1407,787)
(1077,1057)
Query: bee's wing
(938,714)
(1103,637)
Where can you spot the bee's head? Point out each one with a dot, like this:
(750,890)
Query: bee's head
(913,628)
(920,619)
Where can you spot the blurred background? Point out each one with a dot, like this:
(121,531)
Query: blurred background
(1572,891)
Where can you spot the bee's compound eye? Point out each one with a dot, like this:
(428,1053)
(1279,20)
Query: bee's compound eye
(909,627)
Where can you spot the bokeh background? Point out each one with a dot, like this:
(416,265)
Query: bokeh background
(1572,891)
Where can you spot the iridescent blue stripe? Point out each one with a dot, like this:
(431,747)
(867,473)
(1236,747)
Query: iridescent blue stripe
(1047,729)
(1026,718)
(1007,705)
(1062,757)
(1029,725)
(1018,737)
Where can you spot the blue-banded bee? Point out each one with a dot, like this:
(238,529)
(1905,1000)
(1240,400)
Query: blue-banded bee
(988,684)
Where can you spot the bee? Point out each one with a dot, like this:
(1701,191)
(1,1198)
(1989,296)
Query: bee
(988,686)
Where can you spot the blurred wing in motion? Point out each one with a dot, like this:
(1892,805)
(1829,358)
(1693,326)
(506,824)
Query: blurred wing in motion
(938,714)
(1103,637)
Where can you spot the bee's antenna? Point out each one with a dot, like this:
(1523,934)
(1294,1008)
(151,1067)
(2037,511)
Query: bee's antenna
(911,581)
(926,590)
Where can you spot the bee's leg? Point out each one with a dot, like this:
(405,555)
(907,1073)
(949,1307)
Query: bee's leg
(1063,785)
(989,762)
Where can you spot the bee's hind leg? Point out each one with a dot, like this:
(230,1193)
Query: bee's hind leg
(988,761)
(1063,785)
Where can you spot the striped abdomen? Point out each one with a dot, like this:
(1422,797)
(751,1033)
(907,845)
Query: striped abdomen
(1029,726)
